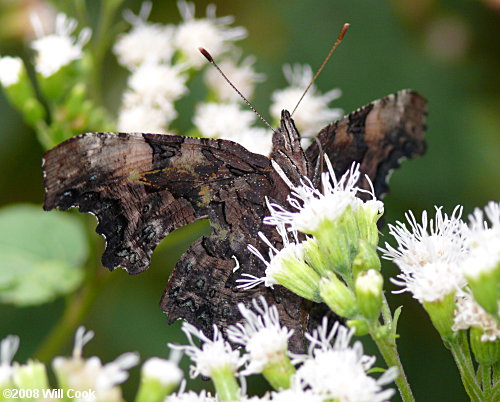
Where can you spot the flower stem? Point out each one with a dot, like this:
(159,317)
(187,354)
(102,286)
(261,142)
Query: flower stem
(461,353)
(388,349)
(77,305)
(386,344)
(102,39)
(278,373)
(226,386)
(485,379)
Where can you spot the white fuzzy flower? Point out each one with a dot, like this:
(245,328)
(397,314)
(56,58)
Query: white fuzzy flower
(145,42)
(58,49)
(8,348)
(167,372)
(10,70)
(314,207)
(145,118)
(277,264)
(157,83)
(258,140)
(214,354)
(211,33)
(286,267)
(430,282)
(230,122)
(434,240)
(313,112)
(483,242)
(337,371)
(191,396)
(222,120)
(296,394)
(84,374)
(243,77)
(261,334)
(470,314)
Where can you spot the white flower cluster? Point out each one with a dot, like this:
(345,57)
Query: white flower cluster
(262,335)
(230,121)
(444,256)
(10,69)
(326,216)
(84,374)
(214,354)
(154,83)
(336,371)
(161,59)
(57,49)
(331,370)
(313,207)
(313,112)
(74,373)
(8,348)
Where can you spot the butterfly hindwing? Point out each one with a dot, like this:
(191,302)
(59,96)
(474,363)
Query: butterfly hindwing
(377,136)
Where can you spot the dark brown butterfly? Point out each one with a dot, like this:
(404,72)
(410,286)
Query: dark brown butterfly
(143,186)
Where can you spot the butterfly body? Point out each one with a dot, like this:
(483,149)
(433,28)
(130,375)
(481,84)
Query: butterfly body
(143,186)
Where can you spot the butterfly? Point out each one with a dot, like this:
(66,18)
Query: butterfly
(141,187)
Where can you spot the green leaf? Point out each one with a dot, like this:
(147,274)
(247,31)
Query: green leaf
(41,254)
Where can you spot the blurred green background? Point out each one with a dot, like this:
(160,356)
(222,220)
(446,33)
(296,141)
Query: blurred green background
(446,50)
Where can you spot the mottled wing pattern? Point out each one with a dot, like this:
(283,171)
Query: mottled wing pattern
(143,186)
(378,136)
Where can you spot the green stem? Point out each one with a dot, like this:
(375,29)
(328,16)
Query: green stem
(278,373)
(226,386)
(496,374)
(386,344)
(77,305)
(100,44)
(81,12)
(461,353)
(495,392)
(386,311)
(388,349)
(486,379)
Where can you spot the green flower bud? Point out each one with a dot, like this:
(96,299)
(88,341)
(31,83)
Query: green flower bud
(360,327)
(367,258)
(367,215)
(289,269)
(338,296)
(278,372)
(441,313)
(486,353)
(54,87)
(382,332)
(369,294)
(315,258)
(31,375)
(338,240)
(485,287)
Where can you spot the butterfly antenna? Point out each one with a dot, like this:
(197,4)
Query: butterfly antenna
(209,57)
(337,42)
